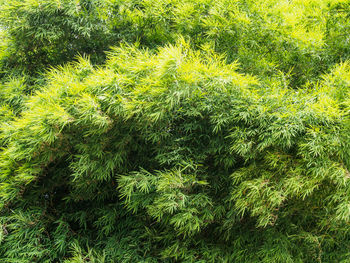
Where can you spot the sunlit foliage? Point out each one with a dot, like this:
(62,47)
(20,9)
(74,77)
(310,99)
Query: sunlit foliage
(174,131)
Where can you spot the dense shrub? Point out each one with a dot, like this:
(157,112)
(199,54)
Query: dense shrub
(211,132)
(301,38)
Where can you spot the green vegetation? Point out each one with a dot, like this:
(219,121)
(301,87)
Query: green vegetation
(174,131)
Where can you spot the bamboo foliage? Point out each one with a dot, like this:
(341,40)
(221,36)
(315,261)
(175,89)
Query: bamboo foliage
(209,131)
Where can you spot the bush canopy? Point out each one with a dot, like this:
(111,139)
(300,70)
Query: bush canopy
(174,131)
